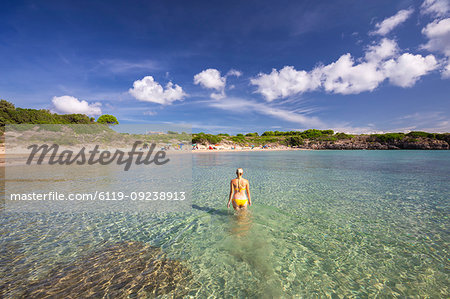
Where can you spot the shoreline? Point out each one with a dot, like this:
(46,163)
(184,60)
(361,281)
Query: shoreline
(201,151)
(15,159)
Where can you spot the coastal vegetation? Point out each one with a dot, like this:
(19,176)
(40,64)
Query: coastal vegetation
(289,138)
(411,136)
(311,138)
(328,139)
(9,114)
(203,138)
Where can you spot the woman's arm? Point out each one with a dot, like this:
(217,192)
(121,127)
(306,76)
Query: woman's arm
(248,194)
(231,194)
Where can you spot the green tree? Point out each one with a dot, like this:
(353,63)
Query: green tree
(327,132)
(294,141)
(206,138)
(420,134)
(311,134)
(268,133)
(108,119)
(6,105)
(252,134)
(387,137)
(343,136)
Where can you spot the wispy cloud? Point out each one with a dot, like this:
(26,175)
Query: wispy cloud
(124,66)
(388,24)
(350,129)
(430,121)
(150,113)
(435,8)
(246,106)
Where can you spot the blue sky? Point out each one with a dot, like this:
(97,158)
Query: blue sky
(233,66)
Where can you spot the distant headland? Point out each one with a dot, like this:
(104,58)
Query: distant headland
(325,139)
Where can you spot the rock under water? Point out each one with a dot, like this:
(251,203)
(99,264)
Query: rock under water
(122,270)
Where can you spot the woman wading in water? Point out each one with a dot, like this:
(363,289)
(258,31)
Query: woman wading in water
(239,192)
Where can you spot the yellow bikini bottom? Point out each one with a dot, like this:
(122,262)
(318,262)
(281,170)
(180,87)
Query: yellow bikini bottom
(240,202)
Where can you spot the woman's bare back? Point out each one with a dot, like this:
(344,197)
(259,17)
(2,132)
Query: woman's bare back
(239,184)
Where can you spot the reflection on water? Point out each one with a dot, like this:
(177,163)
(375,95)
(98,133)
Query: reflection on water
(323,223)
(241,224)
(251,248)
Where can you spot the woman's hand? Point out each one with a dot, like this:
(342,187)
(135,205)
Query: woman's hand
(231,193)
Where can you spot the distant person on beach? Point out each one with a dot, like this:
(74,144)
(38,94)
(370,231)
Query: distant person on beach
(239,192)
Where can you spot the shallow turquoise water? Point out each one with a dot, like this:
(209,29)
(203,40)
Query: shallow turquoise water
(323,223)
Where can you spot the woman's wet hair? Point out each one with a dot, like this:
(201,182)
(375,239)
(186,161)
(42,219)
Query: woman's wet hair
(239,173)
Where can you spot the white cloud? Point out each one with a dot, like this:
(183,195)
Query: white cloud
(347,76)
(234,72)
(438,34)
(344,77)
(286,82)
(212,79)
(69,105)
(446,71)
(148,90)
(408,68)
(385,49)
(436,8)
(218,95)
(388,24)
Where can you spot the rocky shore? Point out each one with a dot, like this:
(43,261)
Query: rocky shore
(366,143)
(359,142)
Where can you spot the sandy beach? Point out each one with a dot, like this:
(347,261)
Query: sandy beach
(248,150)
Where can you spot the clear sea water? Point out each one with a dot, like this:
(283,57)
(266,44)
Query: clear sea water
(323,224)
